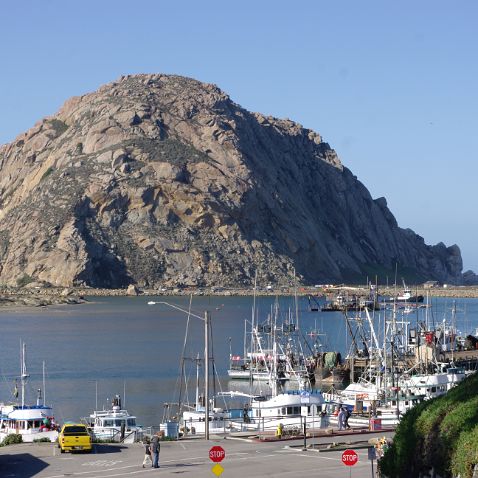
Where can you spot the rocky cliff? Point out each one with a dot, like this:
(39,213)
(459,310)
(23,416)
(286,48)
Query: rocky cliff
(158,179)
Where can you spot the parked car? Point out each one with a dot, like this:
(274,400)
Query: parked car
(74,437)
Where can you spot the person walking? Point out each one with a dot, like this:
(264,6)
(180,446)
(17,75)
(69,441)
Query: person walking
(341,419)
(346,418)
(147,454)
(155,448)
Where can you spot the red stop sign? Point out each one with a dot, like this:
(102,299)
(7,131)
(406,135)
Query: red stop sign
(217,454)
(349,458)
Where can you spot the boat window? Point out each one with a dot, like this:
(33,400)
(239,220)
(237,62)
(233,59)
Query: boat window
(108,423)
(434,389)
(283,411)
(118,423)
(406,402)
(131,422)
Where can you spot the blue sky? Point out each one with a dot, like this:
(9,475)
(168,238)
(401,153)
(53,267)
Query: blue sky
(392,86)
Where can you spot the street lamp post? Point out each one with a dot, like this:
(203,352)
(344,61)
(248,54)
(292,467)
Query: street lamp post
(207,320)
(206,373)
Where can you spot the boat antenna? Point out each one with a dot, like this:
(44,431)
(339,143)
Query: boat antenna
(124,394)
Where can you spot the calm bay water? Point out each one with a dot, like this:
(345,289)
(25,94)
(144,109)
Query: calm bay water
(121,343)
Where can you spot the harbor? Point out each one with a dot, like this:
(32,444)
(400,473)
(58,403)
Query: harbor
(123,346)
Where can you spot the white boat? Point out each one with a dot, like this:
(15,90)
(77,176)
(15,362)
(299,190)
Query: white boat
(193,422)
(32,422)
(115,424)
(291,409)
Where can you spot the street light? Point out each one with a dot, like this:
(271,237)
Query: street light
(207,320)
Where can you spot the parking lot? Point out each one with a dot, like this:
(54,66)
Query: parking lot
(244,458)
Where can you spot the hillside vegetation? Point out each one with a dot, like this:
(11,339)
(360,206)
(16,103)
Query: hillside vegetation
(441,434)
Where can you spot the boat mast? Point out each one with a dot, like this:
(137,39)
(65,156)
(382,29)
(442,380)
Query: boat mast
(24,373)
(197,382)
(296,301)
(44,385)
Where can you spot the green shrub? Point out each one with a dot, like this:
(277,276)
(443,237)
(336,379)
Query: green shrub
(42,440)
(47,173)
(12,439)
(24,280)
(441,433)
(59,126)
(466,454)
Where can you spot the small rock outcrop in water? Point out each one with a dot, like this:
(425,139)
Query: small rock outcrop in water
(158,179)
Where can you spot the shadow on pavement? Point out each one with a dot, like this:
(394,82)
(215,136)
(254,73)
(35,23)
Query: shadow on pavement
(22,465)
(105,448)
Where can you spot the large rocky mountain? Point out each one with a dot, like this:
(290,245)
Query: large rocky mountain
(160,180)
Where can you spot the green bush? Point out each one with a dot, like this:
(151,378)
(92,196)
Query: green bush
(466,454)
(47,173)
(42,440)
(24,280)
(12,439)
(59,126)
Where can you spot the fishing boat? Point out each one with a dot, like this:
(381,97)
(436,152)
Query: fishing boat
(291,409)
(292,363)
(115,424)
(32,422)
(406,295)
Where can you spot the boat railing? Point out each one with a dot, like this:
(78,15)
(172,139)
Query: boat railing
(192,427)
(116,436)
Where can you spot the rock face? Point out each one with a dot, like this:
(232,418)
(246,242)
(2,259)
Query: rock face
(158,179)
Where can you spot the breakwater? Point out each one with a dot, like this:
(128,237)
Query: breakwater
(45,296)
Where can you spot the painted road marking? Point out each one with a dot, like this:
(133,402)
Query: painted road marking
(102,463)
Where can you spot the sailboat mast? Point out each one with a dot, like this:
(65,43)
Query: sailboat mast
(296,302)
(197,382)
(24,374)
(44,384)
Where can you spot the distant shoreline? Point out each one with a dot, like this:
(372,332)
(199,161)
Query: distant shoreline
(11,298)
